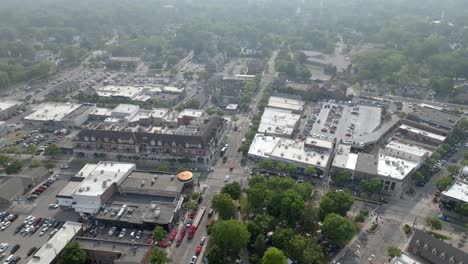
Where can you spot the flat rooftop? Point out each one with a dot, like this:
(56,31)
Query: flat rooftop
(422,132)
(69,189)
(4,105)
(119,91)
(262,145)
(99,111)
(127,252)
(458,191)
(126,108)
(47,253)
(413,150)
(101,176)
(286,103)
(152,184)
(141,208)
(320,143)
(191,113)
(52,111)
(278,121)
(172,89)
(287,150)
(352,124)
(344,159)
(394,168)
(435,116)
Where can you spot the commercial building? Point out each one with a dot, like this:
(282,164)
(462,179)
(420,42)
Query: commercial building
(123,62)
(230,90)
(434,120)
(114,252)
(166,94)
(420,136)
(232,108)
(7,108)
(409,152)
(456,195)
(435,250)
(53,115)
(49,252)
(278,122)
(344,159)
(313,152)
(195,143)
(100,182)
(296,106)
(187,115)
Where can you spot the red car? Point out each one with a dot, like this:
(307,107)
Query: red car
(198,250)
(183,231)
(149,240)
(192,214)
(173,234)
(179,240)
(162,244)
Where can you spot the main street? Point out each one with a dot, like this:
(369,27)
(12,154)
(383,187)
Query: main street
(215,180)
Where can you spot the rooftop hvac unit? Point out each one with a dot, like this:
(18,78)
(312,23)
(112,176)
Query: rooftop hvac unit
(95,179)
(102,171)
(157,212)
(142,183)
(88,188)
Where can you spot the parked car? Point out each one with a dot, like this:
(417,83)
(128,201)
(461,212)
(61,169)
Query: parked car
(31,251)
(111,231)
(193,260)
(15,248)
(53,206)
(122,233)
(138,234)
(198,250)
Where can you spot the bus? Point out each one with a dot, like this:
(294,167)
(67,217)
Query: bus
(196,222)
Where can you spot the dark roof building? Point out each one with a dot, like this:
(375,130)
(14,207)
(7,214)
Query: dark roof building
(433,120)
(434,250)
(366,166)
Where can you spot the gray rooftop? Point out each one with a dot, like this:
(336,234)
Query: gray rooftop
(150,183)
(367,163)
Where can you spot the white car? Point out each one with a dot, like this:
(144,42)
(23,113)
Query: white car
(193,260)
(112,230)
(3,247)
(122,233)
(53,206)
(226,179)
(6,225)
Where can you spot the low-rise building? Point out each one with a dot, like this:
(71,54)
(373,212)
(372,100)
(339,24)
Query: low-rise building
(7,108)
(314,152)
(344,159)
(420,136)
(456,195)
(52,115)
(195,143)
(187,115)
(278,122)
(435,250)
(296,106)
(432,119)
(48,253)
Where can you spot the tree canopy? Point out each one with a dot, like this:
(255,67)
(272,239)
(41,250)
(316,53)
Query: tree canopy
(224,205)
(335,202)
(230,235)
(72,254)
(339,229)
(274,256)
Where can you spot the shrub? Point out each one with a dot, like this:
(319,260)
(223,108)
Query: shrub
(359,218)
(407,229)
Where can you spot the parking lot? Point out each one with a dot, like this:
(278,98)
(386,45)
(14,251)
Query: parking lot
(37,208)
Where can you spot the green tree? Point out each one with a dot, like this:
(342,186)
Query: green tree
(373,185)
(13,167)
(53,150)
(309,171)
(49,164)
(4,159)
(258,196)
(462,208)
(312,253)
(195,196)
(342,177)
(215,255)
(190,205)
(224,205)
(418,177)
(159,233)
(230,235)
(282,237)
(443,183)
(72,254)
(31,149)
(292,169)
(291,207)
(4,80)
(233,189)
(393,251)
(259,245)
(434,223)
(274,256)
(453,169)
(266,164)
(335,202)
(158,257)
(339,229)
(283,167)
(163,168)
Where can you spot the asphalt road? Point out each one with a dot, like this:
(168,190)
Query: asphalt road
(215,180)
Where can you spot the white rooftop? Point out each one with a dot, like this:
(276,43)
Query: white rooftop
(321,143)
(458,191)
(287,150)
(262,145)
(172,89)
(48,252)
(278,122)
(99,111)
(423,132)
(413,150)
(4,105)
(286,103)
(395,168)
(99,177)
(126,108)
(52,111)
(69,189)
(119,91)
(344,159)
(232,106)
(191,113)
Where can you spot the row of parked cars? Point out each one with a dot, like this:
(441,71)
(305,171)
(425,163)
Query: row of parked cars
(32,224)
(116,231)
(6,220)
(39,190)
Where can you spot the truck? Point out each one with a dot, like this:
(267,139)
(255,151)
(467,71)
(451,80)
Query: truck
(196,222)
